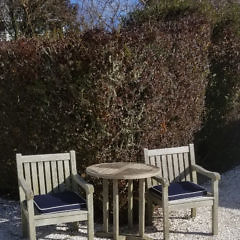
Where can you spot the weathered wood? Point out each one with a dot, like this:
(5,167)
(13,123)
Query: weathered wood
(27,174)
(43,173)
(147,161)
(141,207)
(105,205)
(164,167)
(152,162)
(54,176)
(165,213)
(129,171)
(215,207)
(41,178)
(90,216)
(159,165)
(45,157)
(130,204)
(192,162)
(178,164)
(182,175)
(187,166)
(115,210)
(60,175)
(122,170)
(193,175)
(73,162)
(170,168)
(31,223)
(175,167)
(166,151)
(212,175)
(35,178)
(67,173)
(48,177)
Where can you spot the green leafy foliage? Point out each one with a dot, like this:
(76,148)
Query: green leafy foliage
(219,139)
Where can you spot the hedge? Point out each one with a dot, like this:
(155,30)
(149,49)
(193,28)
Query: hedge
(219,139)
(104,95)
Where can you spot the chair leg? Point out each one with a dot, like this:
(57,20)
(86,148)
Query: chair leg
(149,211)
(32,230)
(90,217)
(215,219)
(193,212)
(165,213)
(215,208)
(24,225)
(165,224)
(31,223)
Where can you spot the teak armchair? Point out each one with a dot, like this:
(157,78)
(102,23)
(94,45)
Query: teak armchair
(49,190)
(178,187)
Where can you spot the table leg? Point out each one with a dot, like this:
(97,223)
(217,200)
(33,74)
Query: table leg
(141,235)
(130,203)
(105,205)
(141,207)
(115,210)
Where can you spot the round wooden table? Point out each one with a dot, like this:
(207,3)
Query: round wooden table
(117,171)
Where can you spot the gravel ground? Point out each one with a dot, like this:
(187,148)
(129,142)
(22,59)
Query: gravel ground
(181,226)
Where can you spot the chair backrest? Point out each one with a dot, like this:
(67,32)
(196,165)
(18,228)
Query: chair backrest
(174,163)
(47,172)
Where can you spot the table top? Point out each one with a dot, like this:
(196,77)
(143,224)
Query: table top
(122,170)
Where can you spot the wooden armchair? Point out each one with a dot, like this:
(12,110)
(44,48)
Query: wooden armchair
(49,189)
(178,184)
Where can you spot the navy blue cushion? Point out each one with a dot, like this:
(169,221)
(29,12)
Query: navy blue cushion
(180,190)
(57,202)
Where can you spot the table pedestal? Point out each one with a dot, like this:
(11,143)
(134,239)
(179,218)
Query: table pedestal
(115,234)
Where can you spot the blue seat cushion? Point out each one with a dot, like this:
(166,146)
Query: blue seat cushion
(180,190)
(58,202)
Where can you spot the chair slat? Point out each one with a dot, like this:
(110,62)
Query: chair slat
(152,161)
(175,167)
(159,164)
(54,176)
(181,167)
(27,173)
(48,177)
(35,185)
(170,168)
(67,172)
(41,178)
(60,175)
(186,166)
(164,167)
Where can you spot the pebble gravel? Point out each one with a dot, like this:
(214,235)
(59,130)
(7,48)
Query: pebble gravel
(181,226)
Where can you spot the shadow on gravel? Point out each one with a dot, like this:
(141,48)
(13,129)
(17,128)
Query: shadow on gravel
(229,191)
(60,232)
(192,233)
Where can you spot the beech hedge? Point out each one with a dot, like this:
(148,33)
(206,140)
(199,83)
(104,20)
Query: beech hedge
(104,95)
(219,139)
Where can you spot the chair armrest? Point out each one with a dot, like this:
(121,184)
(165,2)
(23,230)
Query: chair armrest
(213,175)
(162,180)
(82,183)
(27,190)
